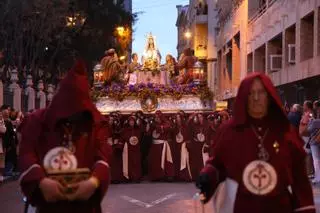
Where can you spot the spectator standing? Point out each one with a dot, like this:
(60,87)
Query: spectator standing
(2,150)
(10,143)
(313,130)
(295,115)
(306,118)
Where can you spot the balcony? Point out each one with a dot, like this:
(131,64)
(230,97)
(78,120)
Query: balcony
(202,19)
(258,8)
(201,14)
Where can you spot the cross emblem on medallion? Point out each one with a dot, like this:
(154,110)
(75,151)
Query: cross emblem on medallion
(259,177)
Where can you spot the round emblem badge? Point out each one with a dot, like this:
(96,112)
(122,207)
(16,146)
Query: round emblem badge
(259,177)
(201,137)
(133,140)
(149,103)
(179,138)
(60,158)
(155,134)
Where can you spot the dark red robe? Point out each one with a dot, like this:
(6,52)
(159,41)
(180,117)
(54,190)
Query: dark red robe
(199,150)
(131,137)
(237,148)
(160,166)
(212,130)
(180,154)
(116,169)
(40,133)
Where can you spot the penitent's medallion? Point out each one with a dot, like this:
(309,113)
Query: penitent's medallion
(60,159)
(133,140)
(260,177)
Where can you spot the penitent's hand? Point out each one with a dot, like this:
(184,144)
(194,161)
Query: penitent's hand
(52,190)
(203,183)
(84,189)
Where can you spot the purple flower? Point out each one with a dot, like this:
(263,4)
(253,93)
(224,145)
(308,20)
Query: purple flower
(131,88)
(157,90)
(142,85)
(191,85)
(150,85)
(187,89)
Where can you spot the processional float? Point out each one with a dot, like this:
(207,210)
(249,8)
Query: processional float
(150,89)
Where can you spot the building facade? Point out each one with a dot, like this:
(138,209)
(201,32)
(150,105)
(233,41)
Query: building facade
(199,21)
(231,37)
(278,37)
(182,28)
(128,5)
(284,41)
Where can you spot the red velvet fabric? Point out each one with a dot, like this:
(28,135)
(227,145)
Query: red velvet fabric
(196,147)
(156,173)
(134,155)
(180,175)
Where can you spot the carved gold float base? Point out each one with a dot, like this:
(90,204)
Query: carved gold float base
(187,103)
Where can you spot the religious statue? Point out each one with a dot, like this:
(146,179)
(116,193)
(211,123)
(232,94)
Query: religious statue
(151,56)
(113,69)
(133,69)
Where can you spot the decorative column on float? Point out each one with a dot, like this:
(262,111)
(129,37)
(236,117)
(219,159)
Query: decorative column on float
(15,89)
(30,92)
(50,93)
(41,95)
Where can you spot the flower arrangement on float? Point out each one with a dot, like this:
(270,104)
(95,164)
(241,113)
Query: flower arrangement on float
(120,92)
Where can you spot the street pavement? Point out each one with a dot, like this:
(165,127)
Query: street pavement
(132,198)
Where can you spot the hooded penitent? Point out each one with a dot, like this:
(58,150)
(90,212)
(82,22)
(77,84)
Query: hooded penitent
(160,162)
(42,132)
(131,137)
(261,161)
(72,97)
(275,111)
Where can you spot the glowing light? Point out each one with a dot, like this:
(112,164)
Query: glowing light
(187,34)
(121,31)
(122,57)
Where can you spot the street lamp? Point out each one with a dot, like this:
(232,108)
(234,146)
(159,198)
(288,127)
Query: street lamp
(98,75)
(198,73)
(123,34)
(187,35)
(121,31)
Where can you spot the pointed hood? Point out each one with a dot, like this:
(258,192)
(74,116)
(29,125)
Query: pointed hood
(72,97)
(275,111)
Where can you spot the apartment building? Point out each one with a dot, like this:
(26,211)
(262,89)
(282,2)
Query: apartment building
(128,5)
(196,25)
(182,27)
(278,37)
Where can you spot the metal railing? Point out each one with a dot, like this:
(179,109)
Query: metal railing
(261,10)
